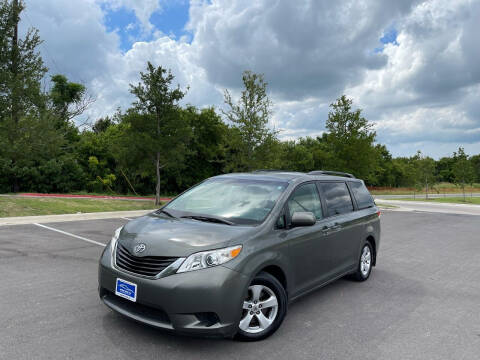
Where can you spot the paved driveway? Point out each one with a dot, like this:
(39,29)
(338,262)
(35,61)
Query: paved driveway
(422,301)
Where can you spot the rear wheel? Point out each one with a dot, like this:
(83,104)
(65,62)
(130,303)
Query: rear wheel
(365,263)
(263,309)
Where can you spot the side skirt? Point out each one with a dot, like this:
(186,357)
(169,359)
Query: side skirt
(316,287)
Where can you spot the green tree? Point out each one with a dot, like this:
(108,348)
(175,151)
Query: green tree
(207,147)
(350,139)
(384,173)
(444,169)
(425,171)
(102,124)
(462,169)
(26,134)
(250,115)
(155,122)
(475,161)
(404,172)
(21,67)
(69,99)
(296,156)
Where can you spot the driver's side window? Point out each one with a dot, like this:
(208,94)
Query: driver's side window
(305,198)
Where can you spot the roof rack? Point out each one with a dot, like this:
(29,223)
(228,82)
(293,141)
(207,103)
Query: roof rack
(269,170)
(327,172)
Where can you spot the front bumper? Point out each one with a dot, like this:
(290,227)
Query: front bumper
(203,302)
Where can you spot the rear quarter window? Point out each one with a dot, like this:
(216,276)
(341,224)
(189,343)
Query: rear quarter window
(337,198)
(362,195)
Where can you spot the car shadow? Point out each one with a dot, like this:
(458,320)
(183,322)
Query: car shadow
(338,310)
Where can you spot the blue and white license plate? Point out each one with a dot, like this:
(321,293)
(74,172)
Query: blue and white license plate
(126,289)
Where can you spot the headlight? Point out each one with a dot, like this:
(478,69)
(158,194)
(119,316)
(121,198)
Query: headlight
(206,259)
(114,239)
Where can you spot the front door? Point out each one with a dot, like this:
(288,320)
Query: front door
(308,245)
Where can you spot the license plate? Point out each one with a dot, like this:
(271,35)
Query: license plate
(126,289)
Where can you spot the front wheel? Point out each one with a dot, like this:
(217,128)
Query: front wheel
(264,308)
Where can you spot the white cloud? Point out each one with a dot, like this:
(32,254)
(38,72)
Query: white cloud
(422,90)
(426,90)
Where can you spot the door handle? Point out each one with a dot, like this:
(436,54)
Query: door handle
(335,227)
(330,229)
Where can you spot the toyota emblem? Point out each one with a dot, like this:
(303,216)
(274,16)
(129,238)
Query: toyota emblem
(139,248)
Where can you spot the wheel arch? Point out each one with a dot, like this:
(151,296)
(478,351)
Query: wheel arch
(278,273)
(370,239)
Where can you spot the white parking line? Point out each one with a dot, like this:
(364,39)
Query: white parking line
(72,235)
(126,218)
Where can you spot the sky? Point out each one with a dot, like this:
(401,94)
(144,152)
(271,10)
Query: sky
(413,67)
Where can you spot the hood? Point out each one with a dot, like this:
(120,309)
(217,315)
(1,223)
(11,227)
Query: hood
(164,236)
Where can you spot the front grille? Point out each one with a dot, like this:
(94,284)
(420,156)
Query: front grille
(146,265)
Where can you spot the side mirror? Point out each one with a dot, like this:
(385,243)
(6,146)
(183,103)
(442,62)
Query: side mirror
(303,219)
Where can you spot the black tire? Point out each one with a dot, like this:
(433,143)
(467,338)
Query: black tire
(360,275)
(274,285)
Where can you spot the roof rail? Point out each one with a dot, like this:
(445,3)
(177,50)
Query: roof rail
(327,172)
(269,170)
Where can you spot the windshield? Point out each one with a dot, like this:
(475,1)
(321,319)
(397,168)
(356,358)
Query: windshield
(241,201)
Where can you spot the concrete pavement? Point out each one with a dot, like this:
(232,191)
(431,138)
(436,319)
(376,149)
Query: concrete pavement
(423,196)
(17,220)
(463,209)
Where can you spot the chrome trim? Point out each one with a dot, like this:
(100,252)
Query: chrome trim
(170,269)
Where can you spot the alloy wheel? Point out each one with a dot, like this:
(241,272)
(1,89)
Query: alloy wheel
(365,261)
(260,309)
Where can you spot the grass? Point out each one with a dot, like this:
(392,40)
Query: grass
(440,188)
(451,200)
(14,206)
(387,206)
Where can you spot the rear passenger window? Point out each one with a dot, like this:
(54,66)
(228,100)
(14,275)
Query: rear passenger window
(305,198)
(361,194)
(337,198)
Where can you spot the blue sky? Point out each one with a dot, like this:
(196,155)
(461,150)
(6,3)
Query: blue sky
(170,19)
(389,37)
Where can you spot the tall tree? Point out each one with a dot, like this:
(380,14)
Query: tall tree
(207,146)
(351,139)
(21,67)
(462,169)
(21,101)
(157,105)
(475,161)
(68,99)
(425,170)
(250,115)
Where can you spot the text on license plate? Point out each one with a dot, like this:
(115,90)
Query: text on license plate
(126,289)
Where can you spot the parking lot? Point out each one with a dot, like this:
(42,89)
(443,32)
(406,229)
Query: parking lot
(421,302)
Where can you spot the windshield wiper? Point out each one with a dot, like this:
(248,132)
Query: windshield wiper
(208,219)
(159,211)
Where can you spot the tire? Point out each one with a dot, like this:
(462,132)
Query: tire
(365,263)
(260,317)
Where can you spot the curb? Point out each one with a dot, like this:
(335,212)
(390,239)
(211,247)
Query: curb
(73,196)
(21,220)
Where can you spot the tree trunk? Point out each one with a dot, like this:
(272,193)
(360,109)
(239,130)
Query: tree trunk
(426,188)
(16,184)
(157,194)
(14,64)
